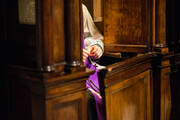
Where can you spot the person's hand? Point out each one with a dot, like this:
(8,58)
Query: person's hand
(95,52)
(85,54)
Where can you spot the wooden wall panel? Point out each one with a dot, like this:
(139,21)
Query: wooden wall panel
(21,38)
(127,25)
(68,107)
(128,99)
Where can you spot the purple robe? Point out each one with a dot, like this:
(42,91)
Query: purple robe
(92,83)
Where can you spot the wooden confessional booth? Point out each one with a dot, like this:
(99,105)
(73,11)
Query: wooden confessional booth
(46,76)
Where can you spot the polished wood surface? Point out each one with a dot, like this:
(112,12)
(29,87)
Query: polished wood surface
(46,78)
(135,27)
(129,97)
(48,95)
(54,41)
(161,22)
(127,23)
(128,87)
(147,73)
(73,31)
(51,84)
(165,90)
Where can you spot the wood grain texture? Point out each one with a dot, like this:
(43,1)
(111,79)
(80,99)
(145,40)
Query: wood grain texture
(147,73)
(58,31)
(55,39)
(72,106)
(161,22)
(73,31)
(128,88)
(127,99)
(165,91)
(48,95)
(127,22)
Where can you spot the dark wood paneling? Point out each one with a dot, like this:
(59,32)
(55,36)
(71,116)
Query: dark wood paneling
(69,107)
(126,23)
(139,88)
(48,95)
(21,38)
(128,88)
(52,42)
(128,99)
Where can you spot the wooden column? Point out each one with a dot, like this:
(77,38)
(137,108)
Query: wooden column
(59,34)
(73,32)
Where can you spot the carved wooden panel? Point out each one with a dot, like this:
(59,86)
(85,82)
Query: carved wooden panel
(69,107)
(129,99)
(67,111)
(127,25)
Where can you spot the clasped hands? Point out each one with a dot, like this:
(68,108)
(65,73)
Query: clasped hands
(94,52)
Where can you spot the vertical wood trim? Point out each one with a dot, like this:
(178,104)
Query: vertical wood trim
(108,101)
(73,33)
(58,31)
(161,22)
(49,34)
(97,10)
(44,33)
(154,23)
(149,96)
(38,35)
(165,94)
